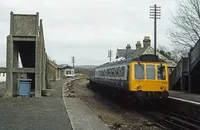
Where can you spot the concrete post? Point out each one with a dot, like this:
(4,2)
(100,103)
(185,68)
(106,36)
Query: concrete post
(9,65)
(15,65)
(44,69)
(37,63)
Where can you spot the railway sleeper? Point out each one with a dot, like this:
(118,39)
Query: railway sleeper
(183,123)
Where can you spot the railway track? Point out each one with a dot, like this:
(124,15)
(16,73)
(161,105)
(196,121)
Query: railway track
(173,121)
(164,119)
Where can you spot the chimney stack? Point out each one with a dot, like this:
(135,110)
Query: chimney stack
(146,42)
(138,45)
(128,50)
(128,47)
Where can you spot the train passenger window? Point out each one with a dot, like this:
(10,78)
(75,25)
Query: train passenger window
(110,72)
(139,71)
(118,71)
(150,69)
(123,71)
(113,72)
(161,72)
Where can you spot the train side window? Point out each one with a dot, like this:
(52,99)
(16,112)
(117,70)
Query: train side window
(150,70)
(120,72)
(106,72)
(113,72)
(127,71)
(139,71)
(116,74)
(123,71)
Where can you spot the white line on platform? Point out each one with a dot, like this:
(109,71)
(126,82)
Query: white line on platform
(184,100)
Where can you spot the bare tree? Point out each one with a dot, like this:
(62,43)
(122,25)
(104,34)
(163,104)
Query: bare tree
(177,53)
(186,21)
(165,51)
(174,54)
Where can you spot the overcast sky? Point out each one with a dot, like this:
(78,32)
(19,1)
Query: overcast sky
(86,29)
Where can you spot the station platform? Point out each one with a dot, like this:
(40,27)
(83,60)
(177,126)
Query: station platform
(185,97)
(81,117)
(30,113)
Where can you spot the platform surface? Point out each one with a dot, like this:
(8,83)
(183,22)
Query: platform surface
(45,113)
(81,117)
(188,97)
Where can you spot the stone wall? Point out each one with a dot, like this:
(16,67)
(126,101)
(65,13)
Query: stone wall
(51,71)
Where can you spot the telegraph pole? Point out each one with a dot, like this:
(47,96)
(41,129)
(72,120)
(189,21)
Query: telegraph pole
(155,13)
(73,61)
(110,54)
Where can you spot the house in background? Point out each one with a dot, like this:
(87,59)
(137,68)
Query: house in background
(68,71)
(146,49)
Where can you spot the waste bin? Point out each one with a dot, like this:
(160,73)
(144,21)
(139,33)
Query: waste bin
(24,87)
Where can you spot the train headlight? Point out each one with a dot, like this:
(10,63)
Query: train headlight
(162,88)
(139,87)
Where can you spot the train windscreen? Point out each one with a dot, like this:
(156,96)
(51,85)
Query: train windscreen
(150,70)
(139,71)
(161,72)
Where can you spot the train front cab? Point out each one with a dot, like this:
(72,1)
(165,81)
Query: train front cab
(149,80)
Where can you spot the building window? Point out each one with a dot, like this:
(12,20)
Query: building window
(68,72)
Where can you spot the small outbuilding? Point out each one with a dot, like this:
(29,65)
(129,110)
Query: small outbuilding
(68,70)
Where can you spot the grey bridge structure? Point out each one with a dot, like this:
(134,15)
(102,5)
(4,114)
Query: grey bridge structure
(186,76)
(26,39)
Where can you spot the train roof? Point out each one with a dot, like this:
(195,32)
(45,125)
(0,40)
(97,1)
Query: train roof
(144,58)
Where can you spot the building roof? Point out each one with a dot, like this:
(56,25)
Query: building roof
(122,52)
(52,63)
(141,51)
(145,57)
(64,66)
(137,53)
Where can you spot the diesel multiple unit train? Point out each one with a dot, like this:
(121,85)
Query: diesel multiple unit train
(144,77)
